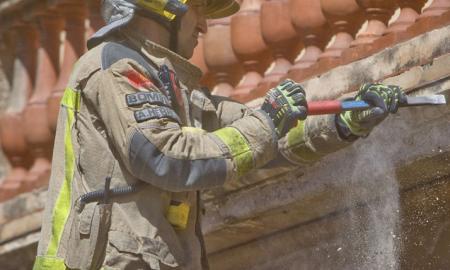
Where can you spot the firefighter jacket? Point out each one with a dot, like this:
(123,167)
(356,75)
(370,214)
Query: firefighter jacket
(136,139)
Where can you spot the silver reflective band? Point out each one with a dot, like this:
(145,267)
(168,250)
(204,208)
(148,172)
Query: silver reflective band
(155,113)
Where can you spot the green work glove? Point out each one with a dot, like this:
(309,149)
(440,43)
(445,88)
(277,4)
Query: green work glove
(285,105)
(385,99)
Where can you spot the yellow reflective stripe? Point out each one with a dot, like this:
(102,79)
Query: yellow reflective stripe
(49,263)
(71,99)
(239,148)
(296,136)
(297,143)
(62,204)
(193,130)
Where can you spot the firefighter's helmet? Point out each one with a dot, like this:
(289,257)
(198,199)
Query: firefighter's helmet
(118,13)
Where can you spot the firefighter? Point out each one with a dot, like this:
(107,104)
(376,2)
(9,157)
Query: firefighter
(138,137)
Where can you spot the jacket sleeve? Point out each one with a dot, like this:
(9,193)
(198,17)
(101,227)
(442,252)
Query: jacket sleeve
(309,141)
(153,144)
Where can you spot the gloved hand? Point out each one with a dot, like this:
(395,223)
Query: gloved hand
(385,99)
(285,105)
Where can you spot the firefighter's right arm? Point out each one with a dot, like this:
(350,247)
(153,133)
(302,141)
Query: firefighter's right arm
(156,148)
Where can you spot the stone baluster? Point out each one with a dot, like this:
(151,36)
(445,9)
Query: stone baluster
(281,37)
(311,25)
(345,18)
(6,67)
(74,46)
(95,18)
(6,60)
(37,129)
(198,59)
(378,13)
(409,12)
(435,9)
(219,56)
(11,122)
(431,17)
(7,48)
(249,46)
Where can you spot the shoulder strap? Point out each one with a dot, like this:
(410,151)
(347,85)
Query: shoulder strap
(113,52)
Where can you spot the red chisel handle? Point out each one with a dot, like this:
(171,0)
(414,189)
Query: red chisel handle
(324,107)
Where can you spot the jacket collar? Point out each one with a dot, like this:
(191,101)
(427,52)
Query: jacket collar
(187,73)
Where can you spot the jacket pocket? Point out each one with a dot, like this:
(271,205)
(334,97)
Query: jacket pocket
(124,251)
(88,237)
(128,251)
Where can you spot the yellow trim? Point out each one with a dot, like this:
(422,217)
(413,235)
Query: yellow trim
(193,130)
(70,100)
(49,263)
(296,135)
(297,143)
(158,6)
(239,148)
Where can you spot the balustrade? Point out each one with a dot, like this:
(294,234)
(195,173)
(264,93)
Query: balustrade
(345,18)
(37,129)
(95,18)
(409,12)
(249,46)
(6,66)
(198,59)
(378,13)
(12,124)
(280,35)
(311,25)
(436,8)
(220,57)
(74,46)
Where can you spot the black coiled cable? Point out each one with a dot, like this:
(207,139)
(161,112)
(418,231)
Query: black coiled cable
(105,194)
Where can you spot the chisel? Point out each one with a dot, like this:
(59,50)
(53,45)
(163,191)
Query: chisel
(337,106)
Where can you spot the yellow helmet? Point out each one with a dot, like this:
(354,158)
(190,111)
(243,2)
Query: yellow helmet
(171,8)
(118,13)
(216,9)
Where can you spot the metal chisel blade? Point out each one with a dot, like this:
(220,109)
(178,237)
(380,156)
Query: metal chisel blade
(426,100)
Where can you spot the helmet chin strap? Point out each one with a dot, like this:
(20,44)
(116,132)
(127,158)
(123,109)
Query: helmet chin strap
(173,26)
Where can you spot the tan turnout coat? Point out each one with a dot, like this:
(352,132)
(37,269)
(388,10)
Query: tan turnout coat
(118,122)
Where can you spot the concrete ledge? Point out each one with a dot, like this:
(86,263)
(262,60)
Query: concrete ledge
(20,253)
(348,239)
(21,215)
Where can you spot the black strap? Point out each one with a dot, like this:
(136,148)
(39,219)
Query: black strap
(113,52)
(101,195)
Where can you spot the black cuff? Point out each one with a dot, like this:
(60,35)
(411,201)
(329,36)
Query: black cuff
(343,131)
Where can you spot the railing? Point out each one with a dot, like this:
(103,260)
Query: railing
(242,57)
(37,73)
